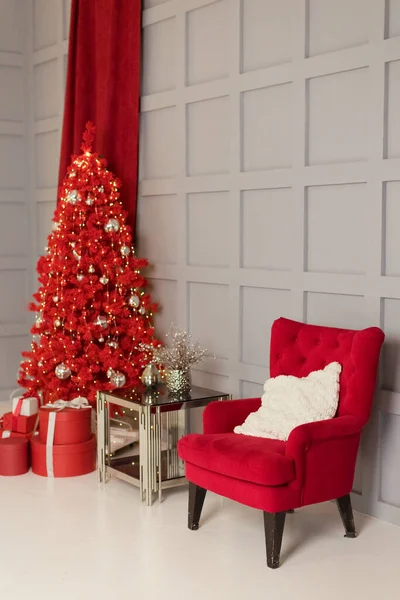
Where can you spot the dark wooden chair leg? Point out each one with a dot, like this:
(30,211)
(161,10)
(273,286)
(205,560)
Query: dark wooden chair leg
(196,501)
(346,513)
(274,524)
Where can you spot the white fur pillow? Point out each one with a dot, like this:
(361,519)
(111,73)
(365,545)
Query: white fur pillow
(291,401)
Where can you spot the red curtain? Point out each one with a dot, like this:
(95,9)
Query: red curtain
(103,86)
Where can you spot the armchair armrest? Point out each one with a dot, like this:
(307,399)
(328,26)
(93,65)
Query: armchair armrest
(320,431)
(328,449)
(223,416)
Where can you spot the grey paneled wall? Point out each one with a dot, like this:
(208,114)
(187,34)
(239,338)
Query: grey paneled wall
(14,241)
(270,185)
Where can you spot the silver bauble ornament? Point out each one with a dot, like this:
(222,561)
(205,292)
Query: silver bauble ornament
(134,301)
(89,200)
(101,321)
(113,344)
(142,310)
(110,372)
(62,371)
(57,323)
(40,363)
(101,189)
(101,339)
(91,269)
(118,379)
(111,225)
(125,250)
(55,298)
(103,279)
(80,276)
(73,197)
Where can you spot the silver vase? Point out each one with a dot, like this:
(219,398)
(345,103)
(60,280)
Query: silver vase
(150,376)
(178,381)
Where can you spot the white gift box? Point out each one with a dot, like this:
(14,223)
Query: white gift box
(30,406)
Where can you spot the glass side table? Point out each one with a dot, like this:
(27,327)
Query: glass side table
(150,423)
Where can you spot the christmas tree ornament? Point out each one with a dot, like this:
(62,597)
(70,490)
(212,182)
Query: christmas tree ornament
(134,301)
(112,225)
(142,310)
(125,250)
(110,372)
(62,371)
(101,321)
(68,359)
(118,379)
(73,197)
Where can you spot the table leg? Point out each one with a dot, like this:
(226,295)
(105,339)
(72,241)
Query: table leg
(148,456)
(101,449)
(158,448)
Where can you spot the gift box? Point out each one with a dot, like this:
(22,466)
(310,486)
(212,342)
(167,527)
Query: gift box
(19,424)
(6,433)
(62,460)
(14,456)
(72,426)
(25,407)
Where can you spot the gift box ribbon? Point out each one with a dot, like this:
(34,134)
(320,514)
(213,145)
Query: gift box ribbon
(18,407)
(58,405)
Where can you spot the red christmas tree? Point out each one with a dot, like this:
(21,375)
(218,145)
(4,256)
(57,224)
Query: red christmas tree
(92,311)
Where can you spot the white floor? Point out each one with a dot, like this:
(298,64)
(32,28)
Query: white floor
(73,539)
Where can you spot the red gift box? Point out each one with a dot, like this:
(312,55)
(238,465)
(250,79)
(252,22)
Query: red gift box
(72,426)
(14,456)
(19,424)
(68,460)
(6,433)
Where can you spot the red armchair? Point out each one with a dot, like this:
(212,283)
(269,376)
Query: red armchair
(317,462)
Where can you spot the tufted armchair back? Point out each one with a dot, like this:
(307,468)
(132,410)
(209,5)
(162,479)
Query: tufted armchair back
(298,348)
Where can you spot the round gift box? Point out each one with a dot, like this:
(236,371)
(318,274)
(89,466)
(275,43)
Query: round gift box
(73,425)
(14,456)
(69,460)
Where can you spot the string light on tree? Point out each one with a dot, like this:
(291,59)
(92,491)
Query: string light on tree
(88,327)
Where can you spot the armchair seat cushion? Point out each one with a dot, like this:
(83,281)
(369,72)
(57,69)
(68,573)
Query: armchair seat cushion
(253,459)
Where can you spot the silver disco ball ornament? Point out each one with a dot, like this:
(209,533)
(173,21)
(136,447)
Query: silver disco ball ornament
(73,197)
(104,280)
(125,250)
(111,225)
(62,371)
(134,301)
(101,321)
(118,379)
(142,310)
(101,339)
